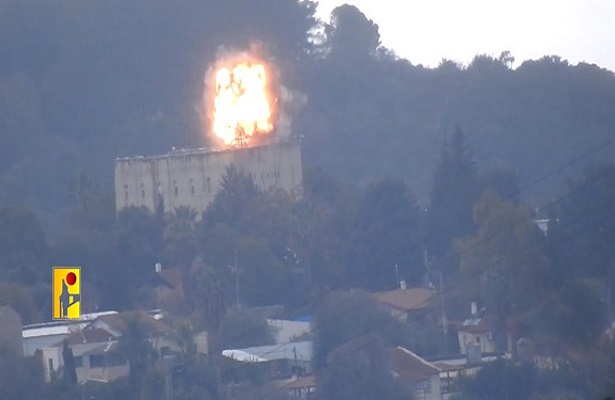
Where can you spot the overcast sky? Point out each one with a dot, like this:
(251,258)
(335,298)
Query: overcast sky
(426,31)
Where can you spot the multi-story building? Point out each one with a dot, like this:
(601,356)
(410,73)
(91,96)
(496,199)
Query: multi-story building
(193,177)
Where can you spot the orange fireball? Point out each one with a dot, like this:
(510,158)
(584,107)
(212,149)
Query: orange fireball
(242,102)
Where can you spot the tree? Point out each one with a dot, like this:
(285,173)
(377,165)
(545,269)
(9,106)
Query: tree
(582,227)
(70,372)
(135,346)
(184,337)
(23,246)
(21,299)
(454,191)
(21,378)
(575,314)
(359,370)
(351,35)
(502,380)
(385,245)
(136,245)
(505,261)
(231,203)
(346,316)
(241,328)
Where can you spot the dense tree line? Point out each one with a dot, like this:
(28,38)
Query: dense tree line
(81,84)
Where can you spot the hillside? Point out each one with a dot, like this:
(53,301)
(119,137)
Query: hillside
(81,84)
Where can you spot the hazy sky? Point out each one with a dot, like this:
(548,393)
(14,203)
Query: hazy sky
(426,31)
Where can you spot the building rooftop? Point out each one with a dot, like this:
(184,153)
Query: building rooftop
(409,366)
(302,351)
(406,299)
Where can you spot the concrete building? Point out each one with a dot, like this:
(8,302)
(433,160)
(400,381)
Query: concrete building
(193,177)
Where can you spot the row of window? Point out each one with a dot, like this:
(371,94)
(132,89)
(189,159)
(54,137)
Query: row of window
(206,184)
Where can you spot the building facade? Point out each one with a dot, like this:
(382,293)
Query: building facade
(193,177)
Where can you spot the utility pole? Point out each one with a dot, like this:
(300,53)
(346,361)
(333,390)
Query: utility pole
(168,383)
(235,269)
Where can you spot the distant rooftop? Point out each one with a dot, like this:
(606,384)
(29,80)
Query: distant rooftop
(303,352)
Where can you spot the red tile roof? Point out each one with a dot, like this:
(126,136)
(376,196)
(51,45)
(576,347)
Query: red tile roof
(406,299)
(88,336)
(409,366)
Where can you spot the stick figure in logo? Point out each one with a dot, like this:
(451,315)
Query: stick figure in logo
(66,296)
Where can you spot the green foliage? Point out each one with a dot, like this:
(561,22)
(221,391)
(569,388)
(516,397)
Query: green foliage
(500,380)
(23,246)
(21,299)
(195,380)
(386,237)
(575,314)
(138,351)
(350,35)
(455,189)
(180,236)
(359,370)
(505,261)
(582,231)
(241,328)
(20,378)
(346,316)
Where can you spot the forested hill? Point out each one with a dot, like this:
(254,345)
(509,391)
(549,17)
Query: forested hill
(84,82)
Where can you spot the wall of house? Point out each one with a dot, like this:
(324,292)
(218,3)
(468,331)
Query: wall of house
(193,177)
(485,340)
(51,357)
(101,367)
(31,344)
(428,389)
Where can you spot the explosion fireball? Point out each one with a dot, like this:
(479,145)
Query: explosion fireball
(241,99)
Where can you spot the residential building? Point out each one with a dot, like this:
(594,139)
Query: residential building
(421,377)
(475,334)
(193,177)
(405,303)
(274,360)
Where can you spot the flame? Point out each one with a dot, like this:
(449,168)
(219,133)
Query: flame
(242,101)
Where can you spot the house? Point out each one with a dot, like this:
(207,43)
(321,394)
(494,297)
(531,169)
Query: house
(96,355)
(302,387)
(404,303)
(169,288)
(274,360)
(421,377)
(47,334)
(10,329)
(95,345)
(474,333)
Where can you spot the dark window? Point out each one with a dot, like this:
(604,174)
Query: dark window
(97,361)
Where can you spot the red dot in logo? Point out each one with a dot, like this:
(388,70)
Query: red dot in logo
(71,278)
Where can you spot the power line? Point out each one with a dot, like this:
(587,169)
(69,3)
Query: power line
(508,197)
